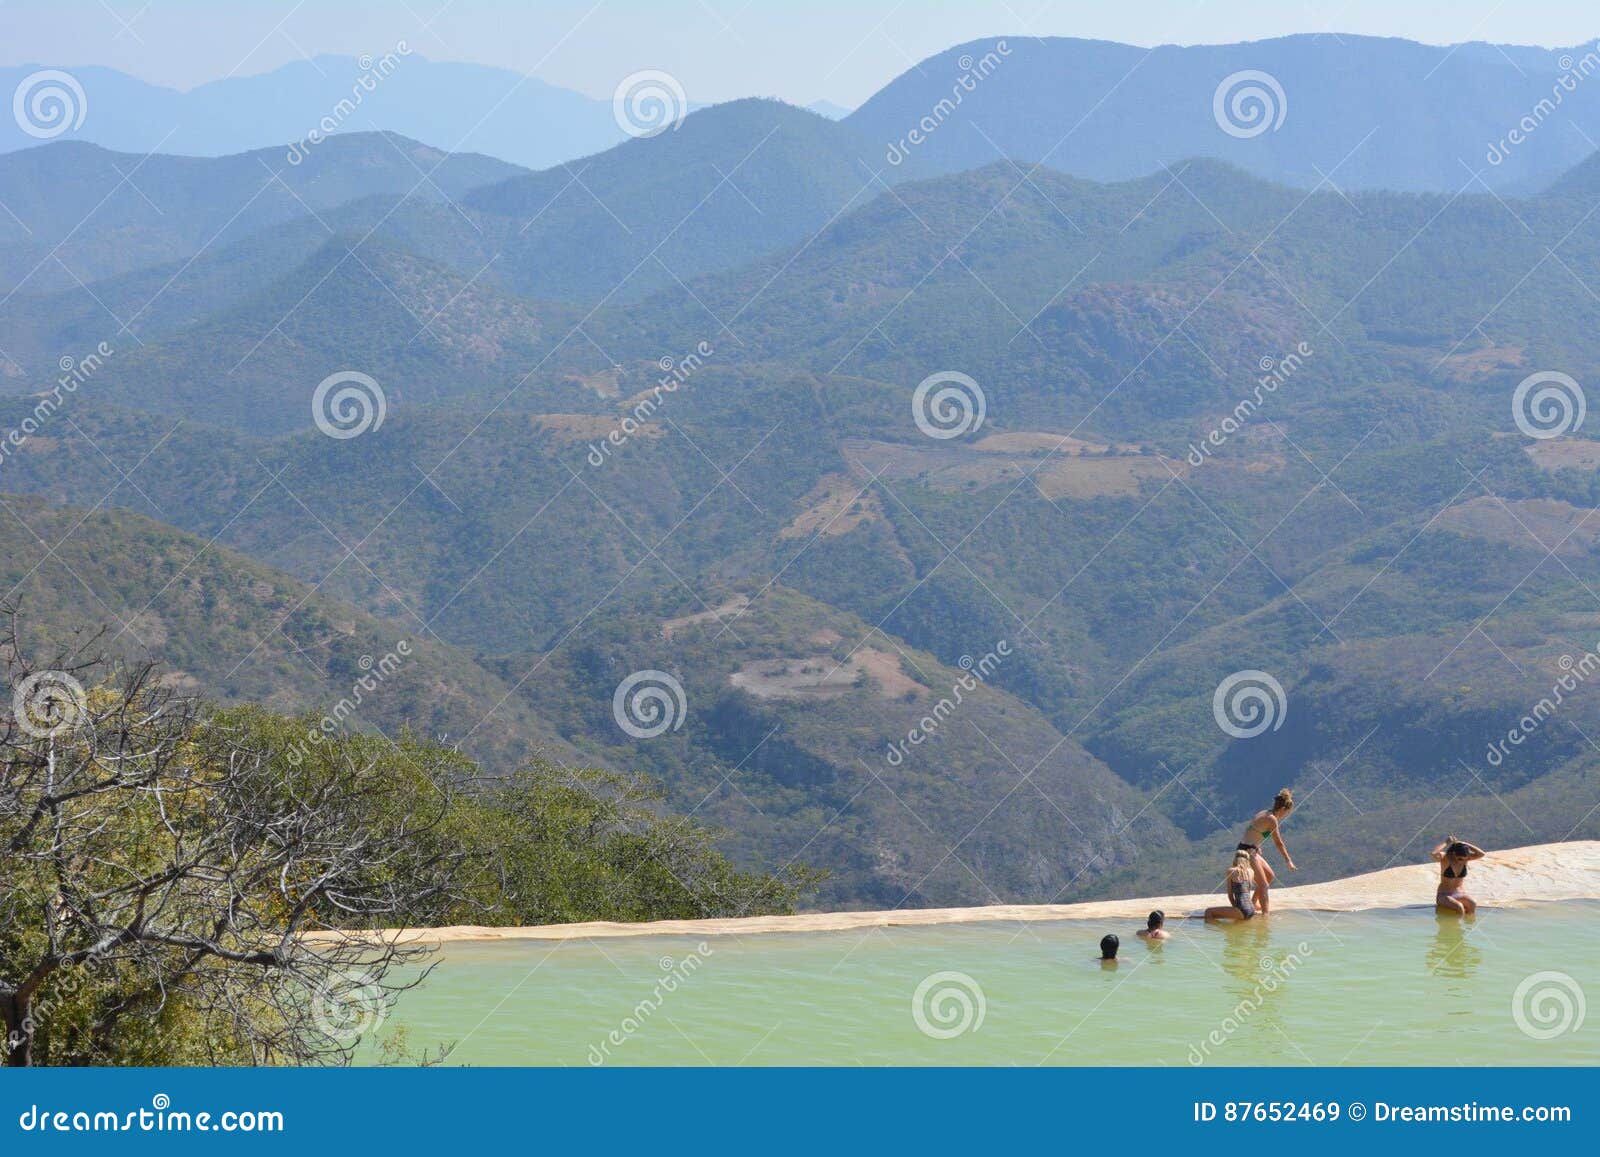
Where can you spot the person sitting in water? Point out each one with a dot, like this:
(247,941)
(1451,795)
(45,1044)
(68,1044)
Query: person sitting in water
(1240,883)
(1108,950)
(1453,856)
(1154,927)
(1265,825)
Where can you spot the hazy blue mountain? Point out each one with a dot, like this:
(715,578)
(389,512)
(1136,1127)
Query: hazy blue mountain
(166,241)
(1368,112)
(184,238)
(732,183)
(1580,181)
(1092,108)
(460,107)
(423,331)
(152,301)
(78,213)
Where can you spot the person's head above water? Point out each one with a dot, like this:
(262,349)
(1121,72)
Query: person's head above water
(1283,802)
(1155,920)
(1109,945)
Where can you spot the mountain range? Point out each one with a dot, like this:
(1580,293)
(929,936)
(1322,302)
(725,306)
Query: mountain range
(1211,410)
(1356,112)
(464,108)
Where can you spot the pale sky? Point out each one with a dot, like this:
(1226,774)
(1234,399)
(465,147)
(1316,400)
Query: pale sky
(800,50)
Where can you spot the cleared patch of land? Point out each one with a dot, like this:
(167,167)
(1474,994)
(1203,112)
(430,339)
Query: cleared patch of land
(1101,477)
(1041,442)
(836,505)
(1079,472)
(1565,454)
(606,383)
(824,677)
(883,668)
(731,609)
(1481,362)
(1529,523)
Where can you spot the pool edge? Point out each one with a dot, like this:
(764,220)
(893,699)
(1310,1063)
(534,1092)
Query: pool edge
(1514,878)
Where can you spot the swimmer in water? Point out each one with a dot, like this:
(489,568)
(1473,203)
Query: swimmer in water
(1155,927)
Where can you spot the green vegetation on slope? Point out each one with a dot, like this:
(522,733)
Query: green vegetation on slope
(1376,533)
(190,886)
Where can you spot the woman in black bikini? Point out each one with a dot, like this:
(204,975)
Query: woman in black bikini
(1453,856)
(1264,825)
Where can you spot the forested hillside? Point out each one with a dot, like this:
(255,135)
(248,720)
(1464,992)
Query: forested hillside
(936,502)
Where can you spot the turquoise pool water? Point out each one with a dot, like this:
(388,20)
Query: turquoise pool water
(1347,989)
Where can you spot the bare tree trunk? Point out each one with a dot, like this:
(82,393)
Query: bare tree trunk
(19,1033)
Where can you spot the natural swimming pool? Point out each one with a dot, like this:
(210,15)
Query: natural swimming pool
(1367,988)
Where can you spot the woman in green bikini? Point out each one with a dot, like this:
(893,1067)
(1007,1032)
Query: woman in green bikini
(1265,825)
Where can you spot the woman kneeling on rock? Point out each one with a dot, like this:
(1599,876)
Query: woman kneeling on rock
(1453,856)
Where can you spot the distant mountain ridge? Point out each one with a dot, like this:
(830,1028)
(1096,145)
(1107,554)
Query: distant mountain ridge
(459,107)
(168,240)
(78,212)
(732,183)
(1366,112)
